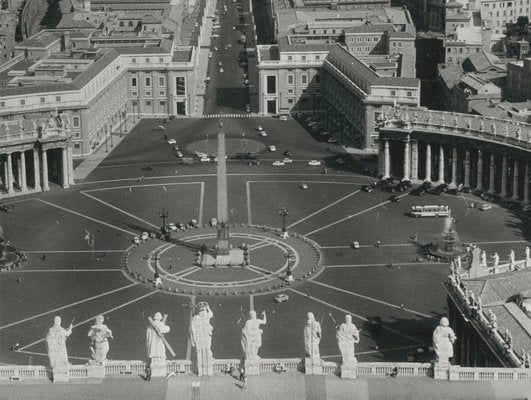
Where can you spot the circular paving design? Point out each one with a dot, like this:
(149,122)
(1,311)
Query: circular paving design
(271,256)
(233,146)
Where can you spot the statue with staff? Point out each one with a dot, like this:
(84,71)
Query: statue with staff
(201,339)
(56,343)
(155,340)
(99,335)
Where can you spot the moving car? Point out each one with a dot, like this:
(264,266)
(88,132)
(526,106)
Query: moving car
(145,236)
(6,208)
(179,154)
(314,163)
(253,162)
(220,64)
(280,298)
(356,244)
(171,141)
(204,159)
(148,168)
(209,54)
(287,160)
(394,198)
(172,226)
(221,70)
(485,207)
(160,128)
(367,188)
(272,148)
(278,164)
(263,133)
(332,140)
(259,128)
(304,186)
(283,118)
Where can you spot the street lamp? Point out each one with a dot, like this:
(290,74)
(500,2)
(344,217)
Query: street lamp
(163,214)
(106,139)
(284,213)
(243,138)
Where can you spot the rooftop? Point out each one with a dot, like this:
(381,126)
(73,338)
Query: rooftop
(42,39)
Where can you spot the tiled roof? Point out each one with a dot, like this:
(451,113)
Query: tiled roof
(370,28)
(501,287)
(510,316)
(397,82)
(182,55)
(482,61)
(401,35)
(269,53)
(42,39)
(150,19)
(72,21)
(285,45)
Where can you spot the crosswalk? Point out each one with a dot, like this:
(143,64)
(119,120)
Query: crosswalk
(223,115)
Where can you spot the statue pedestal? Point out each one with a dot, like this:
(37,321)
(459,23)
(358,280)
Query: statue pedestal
(158,367)
(441,370)
(96,371)
(252,367)
(205,365)
(61,374)
(313,366)
(349,370)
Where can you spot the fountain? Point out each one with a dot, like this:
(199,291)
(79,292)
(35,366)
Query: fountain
(449,246)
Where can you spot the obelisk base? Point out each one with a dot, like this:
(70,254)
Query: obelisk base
(205,364)
(313,366)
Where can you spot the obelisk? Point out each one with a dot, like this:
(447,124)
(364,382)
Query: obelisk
(223,248)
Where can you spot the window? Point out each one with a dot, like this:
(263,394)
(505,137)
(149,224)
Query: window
(133,60)
(162,81)
(393,92)
(409,94)
(134,93)
(162,102)
(148,81)
(162,93)
(290,91)
(317,90)
(304,91)
(148,93)
(148,102)
(75,122)
(77,146)
(317,57)
(317,79)
(57,98)
(290,58)
(358,39)
(290,79)
(148,60)
(130,24)
(122,24)
(2,103)
(304,79)
(290,101)
(358,49)
(303,58)
(134,82)
(161,60)
(77,134)
(22,102)
(180,86)
(394,44)
(43,100)
(271,83)
(375,39)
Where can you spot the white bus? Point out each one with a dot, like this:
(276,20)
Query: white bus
(430,211)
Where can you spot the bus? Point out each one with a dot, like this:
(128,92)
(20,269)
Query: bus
(430,211)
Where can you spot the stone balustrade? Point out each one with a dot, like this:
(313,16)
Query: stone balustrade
(291,365)
(498,130)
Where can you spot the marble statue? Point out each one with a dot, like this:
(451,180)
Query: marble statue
(20,125)
(52,123)
(506,131)
(430,119)
(481,126)
(468,124)
(347,336)
(459,263)
(6,127)
(493,128)
(508,338)
(443,120)
(512,259)
(99,335)
(456,121)
(415,118)
(156,348)
(496,258)
(34,123)
(312,337)
(252,336)
(443,340)
(527,256)
(56,344)
(518,133)
(483,258)
(493,320)
(201,339)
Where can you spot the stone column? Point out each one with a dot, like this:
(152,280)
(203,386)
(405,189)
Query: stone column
(441,163)
(516,176)
(428,162)
(503,190)
(387,160)
(479,175)
(10,187)
(526,183)
(37,169)
(492,173)
(70,166)
(45,184)
(22,180)
(454,167)
(64,164)
(414,160)
(407,159)
(467,168)
(380,158)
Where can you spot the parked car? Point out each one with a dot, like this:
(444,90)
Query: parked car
(283,118)
(287,160)
(304,186)
(172,227)
(394,198)
(259,128)
(253,162)
(278,164)
(485,207)
(367,188)
(314,163)
(288,153)
(280,298)
(332,140)
(171,141)
(272,148)
(262,133)
(356,244)
(6,208)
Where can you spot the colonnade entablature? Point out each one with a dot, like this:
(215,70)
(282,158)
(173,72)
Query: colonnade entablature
(483,153)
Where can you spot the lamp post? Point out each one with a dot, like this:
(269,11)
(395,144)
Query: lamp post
(163,214)
(284,213)
(243,139)
(106,139)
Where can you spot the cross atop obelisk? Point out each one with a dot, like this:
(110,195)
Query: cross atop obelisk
(223,230)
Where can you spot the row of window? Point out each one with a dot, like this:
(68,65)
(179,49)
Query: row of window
(304,79)
(147,81)
(148,103)
(180,84)
(147,60)
(148,93)
(304,57)
(23,101)
(359,39)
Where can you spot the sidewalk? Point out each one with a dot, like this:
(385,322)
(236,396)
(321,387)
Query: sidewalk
(92,161)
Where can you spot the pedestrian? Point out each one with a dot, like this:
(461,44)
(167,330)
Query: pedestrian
(19,280)
(378,243)
(43,257)
(242,373)
(231,369)
(148,372)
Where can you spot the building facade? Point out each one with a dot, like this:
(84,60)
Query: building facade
(518,86)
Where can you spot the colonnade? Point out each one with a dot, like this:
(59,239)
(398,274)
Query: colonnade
(474,168)
(25,170)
